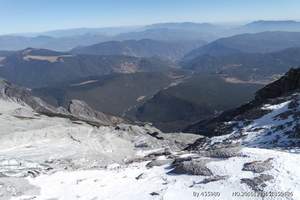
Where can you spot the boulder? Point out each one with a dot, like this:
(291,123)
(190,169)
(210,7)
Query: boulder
(192,167)
(258,166)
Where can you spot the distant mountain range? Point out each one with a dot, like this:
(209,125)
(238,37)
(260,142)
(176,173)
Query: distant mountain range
(141,48)
(167,34)
(247,66)
(263,25)
(65,40)
(108,31)
(11,42)
(165,74)
(263,42)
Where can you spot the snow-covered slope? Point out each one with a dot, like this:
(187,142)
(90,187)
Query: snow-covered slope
(25,134)
(53,157)
(136,182)
(278,127)
(45,158)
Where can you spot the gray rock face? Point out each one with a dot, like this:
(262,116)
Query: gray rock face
(289,82)
(257,183)
(193,167)
(283,120)
(271,94)
(258,166)
(223,152)
(78,110)
(24,96)
(213,179)
(83,111)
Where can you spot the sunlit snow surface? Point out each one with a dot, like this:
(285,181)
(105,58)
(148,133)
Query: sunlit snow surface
(121,183)
(84,161)
(269,131)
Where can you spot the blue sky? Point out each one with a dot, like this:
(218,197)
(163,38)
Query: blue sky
(41,15)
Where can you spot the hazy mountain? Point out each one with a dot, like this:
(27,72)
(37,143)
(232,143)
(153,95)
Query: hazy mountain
(263,25)
(66,43)
(38,67)
(116,93)
(50,153)
(11,42)
(108,31)
(250,43)
(199,27)
(198,97)
(141,48)
(166,34)
(8,42)
(5,53)
(64,40)
(247,66)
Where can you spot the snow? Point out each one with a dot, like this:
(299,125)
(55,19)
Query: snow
(119,182)
(90,163)
(269,131)
(276,106)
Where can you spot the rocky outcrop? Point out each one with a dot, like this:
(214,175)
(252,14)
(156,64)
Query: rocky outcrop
(77,110)
(22,95)
(85,112)
(192,167)
(288,83)
(257,183)
(274,93)
(258,166)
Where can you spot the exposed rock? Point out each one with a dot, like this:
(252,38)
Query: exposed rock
(155,135)
(77,110)
(212,179)
(140,176)
(24,96)
(223,152)
(233,122)
(160,152)
(257,183)
(154,193)
(289,82)
(83,111)
(258,166)
(179,160)
(193,167)
(141,144)
(198,144)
